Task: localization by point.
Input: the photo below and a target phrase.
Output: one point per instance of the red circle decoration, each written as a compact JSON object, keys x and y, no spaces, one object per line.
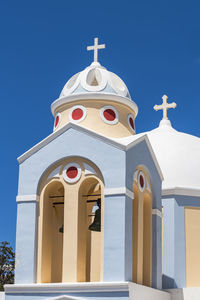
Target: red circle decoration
{"x":77,"y":114}
{"x":131,"y":123}
{"x":57,"y":121}
{"x":109,"y":114}
{"x":72,"y":172}
{"x":141,"y":180}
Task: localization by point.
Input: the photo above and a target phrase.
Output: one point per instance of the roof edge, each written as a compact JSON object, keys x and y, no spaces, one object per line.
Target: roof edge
{"x":55,"y":134}
{"x":108,"y":140}
{"x":182,"y":191}
{"x":97,"y":96}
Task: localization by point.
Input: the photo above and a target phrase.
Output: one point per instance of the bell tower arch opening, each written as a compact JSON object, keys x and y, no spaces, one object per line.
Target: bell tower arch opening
{"x":51,"y":217}
{"x":90,"y":230}
{"x":70,"y":223}
{"x":142,"y":228}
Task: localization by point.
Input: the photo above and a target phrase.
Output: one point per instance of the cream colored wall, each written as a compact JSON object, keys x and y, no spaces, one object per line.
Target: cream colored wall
{"x":192,"y":245}
{"x":93,"y":120}
{"x":50,"y":241}
{"x":76,"y":254}
{"x":142,"y":234}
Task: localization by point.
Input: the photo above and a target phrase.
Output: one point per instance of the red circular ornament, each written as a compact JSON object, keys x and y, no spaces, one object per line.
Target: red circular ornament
{"x":132,"y":123}
{"x":72,"y":172}
{"x":109,"y":114}
{"x":77,"y":114}
{"x":141,"y":179}
{"x":56,"y":121}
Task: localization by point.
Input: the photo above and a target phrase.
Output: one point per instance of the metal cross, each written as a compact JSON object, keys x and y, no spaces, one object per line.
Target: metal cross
{"x":165,"y":106}
{"x":96,"y":47}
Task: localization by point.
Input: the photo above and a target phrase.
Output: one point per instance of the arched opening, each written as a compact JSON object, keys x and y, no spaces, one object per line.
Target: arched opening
{"x":90,"y":230}
{"x":70,"y":223}
{"x":51,"y":220}
{"x":142,"y":229}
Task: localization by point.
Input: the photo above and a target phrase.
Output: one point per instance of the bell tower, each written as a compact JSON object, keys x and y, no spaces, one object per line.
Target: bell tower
{"x":89,"y":197}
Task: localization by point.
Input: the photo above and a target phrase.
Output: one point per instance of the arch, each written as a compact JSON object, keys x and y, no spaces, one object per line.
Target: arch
{"x":50,"y":220}
{"x":64,"y":224}
{"x":90,"y":243}
{"x":142,"y":228}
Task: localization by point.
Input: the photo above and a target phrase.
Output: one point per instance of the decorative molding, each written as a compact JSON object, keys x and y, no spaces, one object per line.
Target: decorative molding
{"x":97,"y":96}
{"x":101,"y":83}
{"x":27,"y":198}
{"x":157,"y":212}
{"x":118,"y":191}
{"x":181,"y":191}
{"x":66,"y":287}
{"x":66,"y":297}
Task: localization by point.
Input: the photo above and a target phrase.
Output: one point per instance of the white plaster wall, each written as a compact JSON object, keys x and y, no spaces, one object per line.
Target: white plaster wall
{"x":2,"y":295}
{"x":185,"y":293}
{"x":141,"y":292}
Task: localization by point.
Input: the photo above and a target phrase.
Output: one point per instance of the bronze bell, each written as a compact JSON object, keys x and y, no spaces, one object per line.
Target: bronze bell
{"x":96,"y":224}
{"x":61,"y":229}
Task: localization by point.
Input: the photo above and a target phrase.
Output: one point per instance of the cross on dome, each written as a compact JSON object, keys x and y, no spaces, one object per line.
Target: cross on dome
{"x":96,"y":47}
{"x":165,"y":106}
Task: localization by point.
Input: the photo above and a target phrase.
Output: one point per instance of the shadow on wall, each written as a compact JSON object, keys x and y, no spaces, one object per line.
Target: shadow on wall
{"x":168,"y":282}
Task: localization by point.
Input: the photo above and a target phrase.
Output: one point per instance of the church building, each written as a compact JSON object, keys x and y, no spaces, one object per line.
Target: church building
{"x":102,"y":212}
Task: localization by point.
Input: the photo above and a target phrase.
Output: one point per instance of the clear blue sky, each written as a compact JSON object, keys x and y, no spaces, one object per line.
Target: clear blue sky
{"x":154,"y":46}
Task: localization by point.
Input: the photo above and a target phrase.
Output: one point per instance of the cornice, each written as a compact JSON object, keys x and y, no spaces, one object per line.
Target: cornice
{"x":97,"y":96}
{"x":67,"y":287}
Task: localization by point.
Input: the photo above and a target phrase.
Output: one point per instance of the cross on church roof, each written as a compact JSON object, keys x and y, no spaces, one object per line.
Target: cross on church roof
{"x":165,"y":106}
{"x":96,"y":47}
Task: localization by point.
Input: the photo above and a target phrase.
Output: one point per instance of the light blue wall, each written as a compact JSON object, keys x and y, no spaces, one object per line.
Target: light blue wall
{"x":156,"y":252}
{"x":26,"y":242}
{"x":173,"y":244}
{"x":117,"y":238}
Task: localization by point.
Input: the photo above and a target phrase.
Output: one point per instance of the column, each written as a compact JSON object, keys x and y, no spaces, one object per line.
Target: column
{"x":118,"y":238}
{"x":25,"y":268}
{"x":70,"y":243}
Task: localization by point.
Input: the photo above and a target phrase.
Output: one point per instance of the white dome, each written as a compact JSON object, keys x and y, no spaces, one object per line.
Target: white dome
{"x":95,"y":78}
{"x":95,"y":82}
{"x":178,"y":156}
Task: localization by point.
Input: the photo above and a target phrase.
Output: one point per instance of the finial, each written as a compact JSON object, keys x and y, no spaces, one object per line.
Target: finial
{"x":165,"y":106}
{"x":96,"y":47}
